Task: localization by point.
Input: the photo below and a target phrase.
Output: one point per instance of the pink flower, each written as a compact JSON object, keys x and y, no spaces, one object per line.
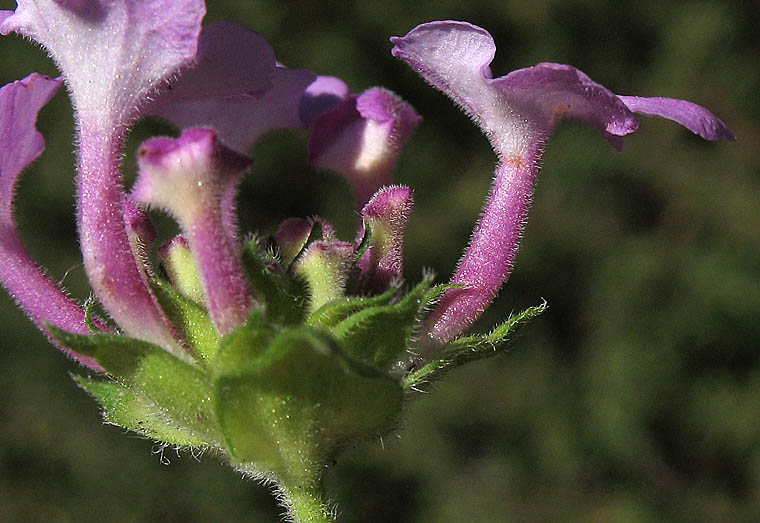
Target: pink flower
{"x":518,"y":113}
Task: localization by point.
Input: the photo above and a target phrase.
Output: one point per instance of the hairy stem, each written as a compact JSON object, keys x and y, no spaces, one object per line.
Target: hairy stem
{"x":307,"y":504}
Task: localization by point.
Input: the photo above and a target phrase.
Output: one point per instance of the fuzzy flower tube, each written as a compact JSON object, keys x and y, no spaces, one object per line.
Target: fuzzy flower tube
{"x":518,"y":113}
{"x":277,"y":350}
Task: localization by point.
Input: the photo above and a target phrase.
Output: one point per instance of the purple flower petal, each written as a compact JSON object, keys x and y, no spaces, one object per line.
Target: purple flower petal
{"x":21,"y":142}
{"x":323,"y":94}
{"x":279,"y":108}
{"x":490,"y":256}
{"x":32,"y":289}
{"x":241,"y":120}
{"x":113,"y":55}
{"x":232,"y":61}
{"x":111,"y":265}
{"x":236,"y":87}
{"x":189,"y":177}
{"x":514,"y":110}
{"x":362,"y":139}
{"x":547,"y":92}
{"x":228,"y":209}
{"x":518,"y":113}
{"x":694,"y":117}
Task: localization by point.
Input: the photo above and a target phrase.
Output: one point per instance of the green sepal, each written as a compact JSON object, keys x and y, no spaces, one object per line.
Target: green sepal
{"x":470,"y":348}
{"x":438,"y":290}
{"x":332,"y":313}
{"x":317,"y":233}
{"x":179,"y":388}
{"x":189,"y":318}
{"x":378,"y":335}
{"x":242,"y":347}
{"x":89,"y":304}
{"x":133,"y":411}
{"x":364,"y":244}
{"x":283,"y":294}
{"x":292,"y":408}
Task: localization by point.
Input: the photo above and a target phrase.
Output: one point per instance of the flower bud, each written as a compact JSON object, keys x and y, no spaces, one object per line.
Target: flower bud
{"x":386,"y":215}
{"x":325,"y":266}
{"x":179,"y":264}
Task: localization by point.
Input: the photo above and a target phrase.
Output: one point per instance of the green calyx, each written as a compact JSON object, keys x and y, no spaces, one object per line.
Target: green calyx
{"x":291,"y":408}
{"x":308,"y":374}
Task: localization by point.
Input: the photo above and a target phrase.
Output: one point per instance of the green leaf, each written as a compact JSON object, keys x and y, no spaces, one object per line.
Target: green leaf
{"x":378,"y":335}
{"x":179,"y":388}
{"x":471,"y":348}
{"x":133,"y":411}
{"x":284,"y":294}
{"x":191,"y":319}
{"x":301,"y":400}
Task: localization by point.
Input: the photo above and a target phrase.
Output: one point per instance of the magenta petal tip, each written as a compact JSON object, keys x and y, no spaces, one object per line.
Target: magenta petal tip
{"x":362,"y":139}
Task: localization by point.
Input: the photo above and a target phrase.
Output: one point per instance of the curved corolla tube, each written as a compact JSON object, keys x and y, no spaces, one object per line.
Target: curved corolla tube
{"x":42,"y":300}
{"x":518,"y":113}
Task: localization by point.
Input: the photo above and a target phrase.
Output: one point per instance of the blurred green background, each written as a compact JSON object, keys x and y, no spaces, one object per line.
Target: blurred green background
{"x":634,"y":398}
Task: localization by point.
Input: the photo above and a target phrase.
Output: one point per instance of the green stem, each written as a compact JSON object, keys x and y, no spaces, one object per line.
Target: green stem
{"x":307,"y":504}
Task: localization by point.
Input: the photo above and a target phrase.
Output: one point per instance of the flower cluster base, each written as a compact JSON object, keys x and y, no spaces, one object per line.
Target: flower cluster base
{"x":281,"y":395}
